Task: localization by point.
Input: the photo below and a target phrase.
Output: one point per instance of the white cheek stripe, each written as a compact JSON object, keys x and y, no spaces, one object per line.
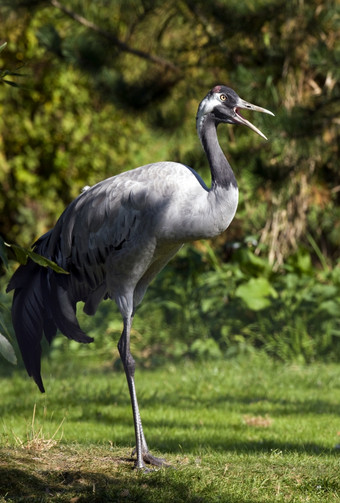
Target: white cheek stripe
{"x":209,"y":103}
{"x":206,"y":106}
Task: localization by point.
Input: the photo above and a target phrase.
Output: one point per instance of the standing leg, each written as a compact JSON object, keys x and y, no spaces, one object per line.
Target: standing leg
{"x":129,"y":367}
{"x":142,"y":451}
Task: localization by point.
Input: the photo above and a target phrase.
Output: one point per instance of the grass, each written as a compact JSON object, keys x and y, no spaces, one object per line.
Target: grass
{"x":246,"y":430}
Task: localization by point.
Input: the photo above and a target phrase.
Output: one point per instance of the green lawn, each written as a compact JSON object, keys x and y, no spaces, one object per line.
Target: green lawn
{"x":244,"y":430}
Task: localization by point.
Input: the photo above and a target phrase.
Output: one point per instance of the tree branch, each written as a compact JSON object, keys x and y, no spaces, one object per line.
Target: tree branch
{"x":112,"y":38}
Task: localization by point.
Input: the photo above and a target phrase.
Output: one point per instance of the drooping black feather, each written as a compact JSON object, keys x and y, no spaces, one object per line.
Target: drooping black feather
{"x":41,"y":305}
{"x":28,"y":315}
{"x":63,"y":309}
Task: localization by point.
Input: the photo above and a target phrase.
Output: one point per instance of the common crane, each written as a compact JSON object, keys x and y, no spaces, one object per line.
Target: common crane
{"x":117,"y":235}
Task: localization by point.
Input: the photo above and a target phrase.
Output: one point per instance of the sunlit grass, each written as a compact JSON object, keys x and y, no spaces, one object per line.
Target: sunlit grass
{"x":244,"y":430}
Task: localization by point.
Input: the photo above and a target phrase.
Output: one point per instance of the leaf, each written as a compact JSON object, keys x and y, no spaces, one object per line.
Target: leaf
{"x":255,"y":293}
{"x":10,"y":83}
{"x":7,"y":351}
{"x":3,"y":326}
{"x":207,"y":304}
{"x":304,"y":262}
{"x":324,"y":291}
{"x":45,"y":262}
{"x":205,"y":348}
{"x":3,"y":255}
{"x":170,"y":305}
{"x":331,"y":307}
{"x":2,"y":46}
{"x":22,"y":254}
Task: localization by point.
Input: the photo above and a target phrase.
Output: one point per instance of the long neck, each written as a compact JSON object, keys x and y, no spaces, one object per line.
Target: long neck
{"x":221,"y":173}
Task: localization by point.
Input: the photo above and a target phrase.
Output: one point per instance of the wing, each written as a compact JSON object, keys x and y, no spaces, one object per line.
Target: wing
{"x":107,"y":220}
{"x":104,"y":217}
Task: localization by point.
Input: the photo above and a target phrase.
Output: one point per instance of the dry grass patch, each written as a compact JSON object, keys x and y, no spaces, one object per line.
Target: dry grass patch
{"x":58,"y":473}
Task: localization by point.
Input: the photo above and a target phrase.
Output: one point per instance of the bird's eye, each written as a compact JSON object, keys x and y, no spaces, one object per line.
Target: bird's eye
{"x":223,"y":97}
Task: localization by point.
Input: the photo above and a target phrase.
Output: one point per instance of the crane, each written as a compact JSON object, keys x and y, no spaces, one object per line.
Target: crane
{"x":117,"y":235}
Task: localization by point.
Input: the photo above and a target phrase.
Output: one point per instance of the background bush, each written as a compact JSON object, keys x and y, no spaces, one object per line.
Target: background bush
{"x":107,"y":86}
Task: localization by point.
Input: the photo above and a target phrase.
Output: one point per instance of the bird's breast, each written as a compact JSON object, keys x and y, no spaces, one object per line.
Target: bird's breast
{"x":200,"y":215}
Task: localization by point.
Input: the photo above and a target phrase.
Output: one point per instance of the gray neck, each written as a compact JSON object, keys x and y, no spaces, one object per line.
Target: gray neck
{"x":221,"y":173}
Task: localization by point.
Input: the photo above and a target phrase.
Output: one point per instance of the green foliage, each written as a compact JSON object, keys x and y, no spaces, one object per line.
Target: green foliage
{"x":293,"y":314}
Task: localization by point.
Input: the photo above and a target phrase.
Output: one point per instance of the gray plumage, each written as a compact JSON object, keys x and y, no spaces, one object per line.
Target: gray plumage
{"x":117,"y":235}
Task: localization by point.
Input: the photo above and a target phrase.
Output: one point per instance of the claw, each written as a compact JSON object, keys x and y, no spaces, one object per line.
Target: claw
{"x":153,"y":460}
{"x":150,"y":460}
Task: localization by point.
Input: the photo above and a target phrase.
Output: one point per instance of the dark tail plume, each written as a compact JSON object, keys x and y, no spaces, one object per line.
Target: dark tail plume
{"x":41,"y":304}
{"x":29,"y":316}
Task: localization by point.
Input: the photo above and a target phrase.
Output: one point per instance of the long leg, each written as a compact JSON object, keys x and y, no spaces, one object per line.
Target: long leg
{"x":142,"y":451}
{"x":146,"y":454}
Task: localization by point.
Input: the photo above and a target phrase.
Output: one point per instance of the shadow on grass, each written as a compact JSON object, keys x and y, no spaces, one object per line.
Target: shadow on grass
{"x":116,"y":393}
{"x":243,"y":447}
{"x":16,"y":485}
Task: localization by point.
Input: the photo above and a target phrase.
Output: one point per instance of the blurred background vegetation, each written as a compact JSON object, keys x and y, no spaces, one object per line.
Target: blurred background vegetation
{"x":90,"y":89}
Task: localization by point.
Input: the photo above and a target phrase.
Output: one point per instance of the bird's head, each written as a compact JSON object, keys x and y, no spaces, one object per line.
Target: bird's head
{"x":223,"y":105}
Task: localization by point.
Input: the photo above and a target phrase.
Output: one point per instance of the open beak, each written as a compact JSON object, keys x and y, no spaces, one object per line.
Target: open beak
{"x":248,"y":106}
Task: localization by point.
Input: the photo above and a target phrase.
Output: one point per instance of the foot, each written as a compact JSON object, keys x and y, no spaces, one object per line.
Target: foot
{"x":150,"y":460}
{"x":153,"y":460}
